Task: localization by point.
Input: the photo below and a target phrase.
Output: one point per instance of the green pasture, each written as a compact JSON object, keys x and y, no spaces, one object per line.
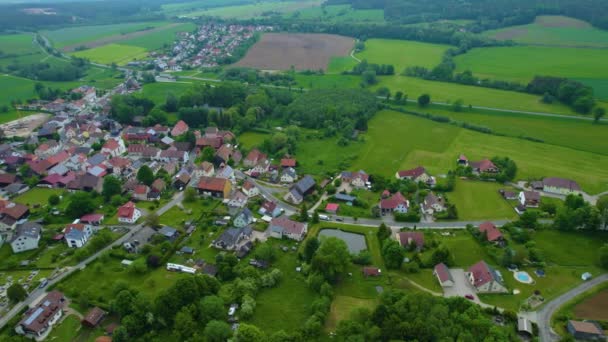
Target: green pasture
{"x":249,"y":140}
{"x":600,"y":87}
{"x":156,"y":40}
{"x":522,"y":63}
{"x":81,"y":34}
{"x":113,"y":53}
{"x":13,"y":88}
{"x":339,"y":13}
{"x":14,"y":114}
{"x":555,"y":31}
{"x":323,"y":156}
{"x":402,"y":53}
{"x":480,"y":201}
{"x":255,"y":10}
{"x":190,"y":6}
{"x":17,"y":44}
{"x":339,"y":64}
{"x":159,"y":91}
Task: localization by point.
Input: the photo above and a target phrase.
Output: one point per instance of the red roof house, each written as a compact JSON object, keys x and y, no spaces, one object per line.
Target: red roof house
{"x":332,"y":208}
{"x":180,"y":128}
{"x":288,"y":162}
{"x":409,"y":238}
{"x":492,"y":233}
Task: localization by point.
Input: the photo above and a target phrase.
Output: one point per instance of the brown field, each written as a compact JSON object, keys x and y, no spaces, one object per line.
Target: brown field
{"x":511,"y":33}
{"x":595,"y":307}
{"x":116,"y":38}
{"x":25,"y":126}
{"x":281,"y":51}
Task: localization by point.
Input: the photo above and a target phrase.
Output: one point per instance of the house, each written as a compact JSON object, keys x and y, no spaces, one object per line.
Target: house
{"x":214,"y":187}
{"x":93,"y":317}
{"x":288,"y":162}
{"x":418,"y":174}
{"x":284,"y":227}
{"x":141,"y":192}
{"x":38,"y":321}
{"x":394,"y":204}
{"x":26,"y":237}
{"x":250,"y":189}
{"x":508,"y":195}
{"x":433,"y":204}
{"x":180,"y":128}
{"x":485,"y":279}
{"x":357,"y":179}
{"x":289,"y":175}
{"x":530,"y":199}
{"x":181,"y":180}
{"x":11,"y":213}
{"x":7,"y":179}
{"x":332,"y":208}
{"x":92,"y":219}
{"x":524,"y":326}
{"x":302,"y":188}
{"x":244,"y":218}
{"x":560,"y":186}
{"x":371,"y":271}
{"x":158,"y":185}
{"x":407,"y":239}
{"x":168,"y":232}
{"x":238,"y":200}
{"x":462,"y":160}
{"x":232,"y":237}
{"x":254,"y":158}
{"x":114,"y":147}
{"x":442,"y":272}
{"x":86,"y":182}
{"x":270,"y":208}
{"x":491,"y":232}
{"x":484,"y":166}
{"x":344,"y":197}
{"x":77,"y":235}
{"x":585,"y":330}
{"x":207,"y":169}
{"x":128,"y":213}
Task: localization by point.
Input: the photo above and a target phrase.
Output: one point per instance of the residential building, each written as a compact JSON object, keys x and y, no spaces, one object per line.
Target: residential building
{"x":357,"y":179}
{"x":92,"y":219}
{"x":238,"y":200}
{"x":254,"y":158}
{"x":94,"y":317}
{"x":243,"y":218}
{"x":288,"y":162}
{"x":169,"y":233}
{"x":442,"y":272}
{"x":560,"y":186}
{"x":250,"y":189}
{"x":407,"y":239}
{"x":270,"y":208}
{"x":485,"y":279}
{"x":207,"y":169}
{"x":418,"y":174}
{"x":214,"y":187}
{"x":77,"y":235}
{"x":491,"y":232}
{"x":433,"y":204}
{"x":394,"y":204}
{"x":26,"y":237}
{"x":530,"y":199}
{"x":38,"y":321}
{"x":289,"y":175}
{"x":586,"y":330}
{"x":233,"y":237}
{"x":114,"y":147}
{"x":284,"y":227}
{"x":180,"y":128}
{"x":302,"y":188}
{"x":484,"y":166}
{"x":462,"y":160}
{"x":128,"y":213}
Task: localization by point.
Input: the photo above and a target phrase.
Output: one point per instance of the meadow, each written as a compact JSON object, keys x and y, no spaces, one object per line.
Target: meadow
{"x":477,"y":201}
{"x":600,"y":87}
{"x":81,"y":34}
{"x":554,"y":31}
{"x":339,"y":13}
{"x":402,"y":53}
{"x":157,"y":39}
{"x":113,"y":53}
{"x":499,"y":62}
{"x":12,"y":88}
{"x":249,"y":140}
{"x":159,"y":91}
{"x":254,"y":10}
{"x":17,"y":44}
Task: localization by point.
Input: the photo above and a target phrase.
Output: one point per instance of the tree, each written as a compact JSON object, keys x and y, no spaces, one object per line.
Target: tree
{"x":152,"y":220}
{"x":528,"y":219}
{"x":111,"y":186}
{"x":424,"y":100}
{"x":217,"y":331}
{"x":602,"y":207}
{"x":331,"y":259}
{"x":315,"y":217}
{"x":212,"y":308}
{"x":171,"y":103}
{"x":145,"y":175}
{"x":303,"y":213}
{"x":207,"y":154}
{"x":598,"y":114}
{"x":310,"y":247}
{"x":249,"y":333}
{"x":604,"y":256}
{"x":398,"y":96}
{"x":190,"y":195}
{"x":369,"y":77}
{"x":53,"y":199}
{"x":16,"y":293}
{"x":81,"y":203}
{"x":185,"y":326}
{"x":383,"y":233}
{"x":393,"y":254}
{"x":265,"y":252}
{"x":153,"y":261}
{"x":441,"y":255}
{"x":457,"y":105}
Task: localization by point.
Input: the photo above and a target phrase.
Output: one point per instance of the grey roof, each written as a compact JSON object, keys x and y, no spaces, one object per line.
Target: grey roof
{"x":14,"y":188}
{"x":231,"y":235}
{"x":524,"y":324}
{"x":167,"y":231}
{"x":305,"y":184}
{"x":344,"y":197}
{"x":27,"y":229}
{"x":96,"y":159}
{"x":290,"y":171}
{"x":248,"y":215}
{"x":74,"y":234}
{"x":82,"y":150}
{"x":59,"y":169}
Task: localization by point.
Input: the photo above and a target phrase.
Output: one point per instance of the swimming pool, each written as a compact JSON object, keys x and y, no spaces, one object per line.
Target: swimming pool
{"x":523,"y":277}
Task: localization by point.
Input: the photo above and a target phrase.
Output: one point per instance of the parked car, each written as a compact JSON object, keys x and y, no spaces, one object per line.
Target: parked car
{"x":469,"y":297}
{"x":338,"y":219}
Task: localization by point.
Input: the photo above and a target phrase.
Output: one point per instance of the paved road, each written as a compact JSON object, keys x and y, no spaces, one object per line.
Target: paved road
{"x":36,"y":294}
{"x":544,"y":315}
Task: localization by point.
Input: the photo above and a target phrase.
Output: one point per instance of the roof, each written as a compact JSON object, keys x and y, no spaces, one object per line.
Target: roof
{"x":483,"y":273}
{"x":344,"y":197}
{"x":413,"y":173}
{"x":14,"y":210}
{"x":37,"y":318}
{"x":532,"y":195}
{"x":288,"y":162}
{"x":561,"y":183}
{"x":94,"y":316}
{"x":305,"y":184}
{"x":111,"y":144}
{"x":212,"y":184}
{"x":141,"y":189}
{"x":393,"y":201}
{"x":371,"y":271}
{"x":405,"y":238}
{"x":158,"y":184}
{"x":74,"y":231}
{"x":208,"y":167}
{"x":463,"y":157}
{"x":586,"y":327}
{"x":88,"y":218}
{"x":231,"y":235}
{"x":255,"y":155}
{"x":180,"y":128}
{"x":483,"y":165}
{"x":491,"y":231}
{"x":332,"y":207}
{"x":288,"y":226}
{"x":443,"y":273}
{"x":431,"y":199}
{"x":127,"y":210}
{"x":28,"y":229}
{"x":524,"y":325}
{"x":167,"y":231}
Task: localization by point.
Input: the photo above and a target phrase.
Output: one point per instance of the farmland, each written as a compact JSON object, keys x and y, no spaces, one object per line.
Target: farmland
{"x":480,"y":201}
{"x":339,"y":13}
{"x":155,"y":39}
{"x":254,"y":10}
{"x":17,"y":44}
{"x":496,"y":62}
{"x":595,"y":307}
{"x":277,"y":51}
{"x":21,"y":88}
{"x":554,"y":31}
{"x":113,"y":53}
{"x":402,"y":53}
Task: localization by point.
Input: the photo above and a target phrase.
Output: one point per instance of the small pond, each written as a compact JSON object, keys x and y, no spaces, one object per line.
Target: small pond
{"x":355,"y":242}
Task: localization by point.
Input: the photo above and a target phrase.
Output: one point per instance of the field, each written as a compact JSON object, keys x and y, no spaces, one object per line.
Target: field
{"x":600,"y":87}
{"x":113,"y":53}
{"x":402,"y":53}
{"x":277,"y":51}
{"x":12,"y":88}
{"x":478,"y":201}
{"x":249,"y":140}
{"x":595,"y":307}
{"x":254,"y":10}
{"x":339,"y":64}
{"x":159,"y":91}
{"x":155,"y":39}
{"x":16,"y":44}
{"x":554,"y":31}
{"x":435,"y":146}
{"x":522,"y":63}
{"x":339,"y":13}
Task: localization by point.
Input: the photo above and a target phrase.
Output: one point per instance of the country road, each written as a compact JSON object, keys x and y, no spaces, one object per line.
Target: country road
{"x":546,"y":334}
{"x":37,"y":293}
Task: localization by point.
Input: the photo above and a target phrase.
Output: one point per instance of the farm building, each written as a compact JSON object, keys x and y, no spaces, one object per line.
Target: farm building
{"x":587,"y":330}
{"x":94,"y":317}
{"x":442,"y":272}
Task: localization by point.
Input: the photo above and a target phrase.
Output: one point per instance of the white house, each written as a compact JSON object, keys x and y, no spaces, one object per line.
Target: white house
{"x":485,"y":279}
{"x":561,"y":186}
{"x":289,"y":175}
{"x":26,"y":237}
{"x":77,"y":235}
{"x":128,"y":213}
{"x":114,"y":147}
{"x":38,"y":321}
{"x":284,"y":227}
{"x":433,"y":204}
{"x":250,"y":189}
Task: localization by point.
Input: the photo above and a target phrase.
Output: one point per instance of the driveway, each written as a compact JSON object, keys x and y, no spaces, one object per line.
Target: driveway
{"x":461,"y":286}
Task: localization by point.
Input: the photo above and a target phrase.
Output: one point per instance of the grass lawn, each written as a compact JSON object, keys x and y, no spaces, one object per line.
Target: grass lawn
{"x":82,"y":34}
{"x":339,"y":64}
{"x":554,"y":31}
{"x":159,"y":91}
{"x":424,"y":278}
{"x":498,"y":62}
{"x":586,"y":251}
{"x":249,"y":140}
{"x":480,"y":201}
{"x":343,"y":306}
{"x":113,"y":53}
{"x":67,"y":330}
{"x":402,"y":53}
{"x":156,"y":40}
{"x":38,"y":196}
{"x":323,"y":156}
{"x":465,"y":250}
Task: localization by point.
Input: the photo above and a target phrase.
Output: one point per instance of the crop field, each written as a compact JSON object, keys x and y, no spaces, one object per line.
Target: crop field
{"x":339,"y":13}
{"x":113,"y":53}
{"x":522,"y":63}
{"x":155,"y":39}
{"x":17,"y":44}
{"x":281,"y":51}
{"x":402,"y":53}
{"x":255,"y":10}
{"x":435,"y":146}
{"x":79,"y":35}
{"x":13,"y":88}
{"x":595,"y":307}
{"x":555,"y":31}
{"x":480,"y":201}
{"x":339,"y":64}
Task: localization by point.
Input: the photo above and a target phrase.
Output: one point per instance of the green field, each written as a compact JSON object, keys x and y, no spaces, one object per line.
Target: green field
{"x":22,"y":88}
{"x":402,"y":53}
{"x":600,"y":87}
{"x":17,"y":44}
{"x":156,"y":40}
{"x":522,"y":63}
{"x":159,"y":91}
{"x":249,"y":140}
{"x":113,"y":53}
{"x":82,"y":34}
{"x":339,"y":64}
{"x":556,"y":31}
{"x":480,"y":201}
{"x":254,"y":10}
{"x":435,"y":146}
{"x":339,"y":13}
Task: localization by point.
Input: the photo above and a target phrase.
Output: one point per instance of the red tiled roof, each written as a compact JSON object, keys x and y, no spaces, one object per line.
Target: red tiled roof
{"x":289,"y":226}
{"x":126,"y":210}
{"x":491,"y":231}
{"x":561,"y":183}
{"x":111,"y":144}
{"x":288,"y":162}
{"x":413,"y":173}
{"x":255,"y":156}
{"x":484,"y":165}
{"x":141,"y":190}
{"x":405,"y":238}
{"x":7,"y":178}
{"x":332,"y":207}
{"x":212,"y":184}
{"x":393,"y":202}
{"x":180,"y":128}
{"x":14,"y":210}
{"x":482,"y":273}
{"x":371,"y":271}
{"x":58,"y":158}
{"x":88,"y":218}
{"x":443,"y":273}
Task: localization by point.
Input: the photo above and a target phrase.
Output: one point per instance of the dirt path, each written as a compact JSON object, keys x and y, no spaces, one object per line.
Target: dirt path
{"x":116,"y":38}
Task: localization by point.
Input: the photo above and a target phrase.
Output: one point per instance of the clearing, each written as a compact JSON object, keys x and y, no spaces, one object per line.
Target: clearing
{"x":281,"y":51}
{"x":113,"y":53}
{"x":402,"y":53}
{"x":595,"y":307}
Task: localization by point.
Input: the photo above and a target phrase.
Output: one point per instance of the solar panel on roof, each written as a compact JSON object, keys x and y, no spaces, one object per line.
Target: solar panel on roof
{"x":34,"y":316}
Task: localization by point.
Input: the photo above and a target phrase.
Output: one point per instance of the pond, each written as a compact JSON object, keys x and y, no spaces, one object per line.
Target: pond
{"x":355,"y":242}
